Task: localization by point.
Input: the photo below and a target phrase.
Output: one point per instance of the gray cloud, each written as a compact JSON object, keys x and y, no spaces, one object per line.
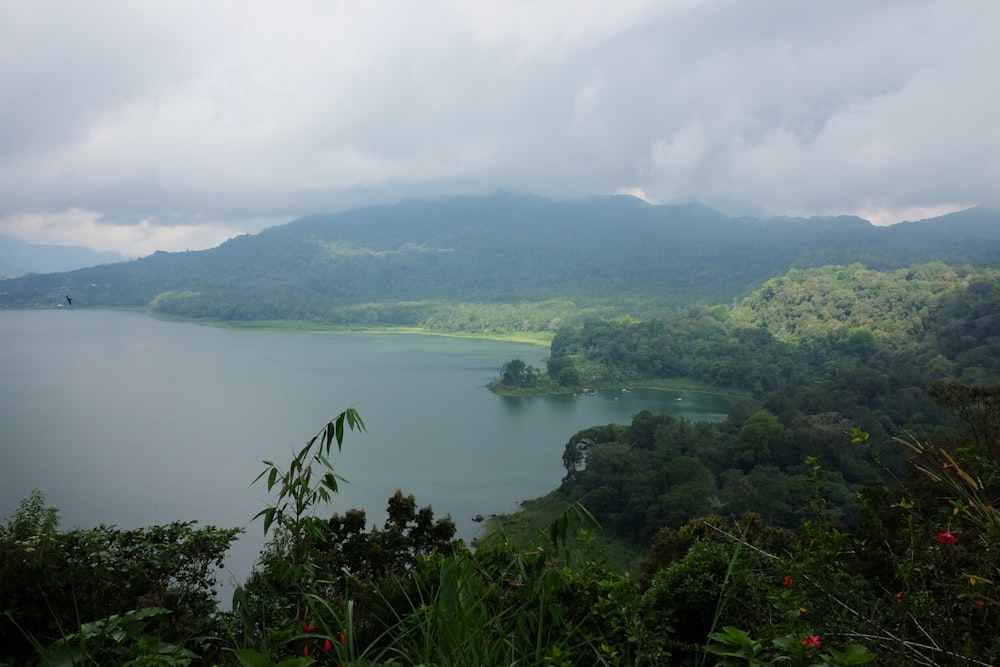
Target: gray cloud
{"x":159,"y":115}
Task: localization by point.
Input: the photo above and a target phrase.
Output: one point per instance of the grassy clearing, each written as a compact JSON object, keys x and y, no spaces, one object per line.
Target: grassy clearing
{"x":524,"y":526}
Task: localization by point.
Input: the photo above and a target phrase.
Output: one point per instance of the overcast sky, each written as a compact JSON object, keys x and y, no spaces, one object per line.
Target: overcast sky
{"x":142,"y":125}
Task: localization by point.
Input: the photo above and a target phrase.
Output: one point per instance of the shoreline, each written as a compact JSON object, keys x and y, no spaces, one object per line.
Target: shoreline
{"x":538,"y":339}
{"x":652,"y":384}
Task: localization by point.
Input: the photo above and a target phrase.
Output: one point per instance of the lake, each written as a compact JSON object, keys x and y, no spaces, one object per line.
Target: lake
{"x":123,"y":419}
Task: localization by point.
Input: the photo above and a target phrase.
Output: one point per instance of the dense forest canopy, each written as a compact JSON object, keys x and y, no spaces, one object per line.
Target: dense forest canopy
{"x":817,"y":355}
{"x":845,"y":323}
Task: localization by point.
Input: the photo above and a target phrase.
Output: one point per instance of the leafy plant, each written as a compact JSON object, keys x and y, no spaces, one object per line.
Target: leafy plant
{"x":51,"y":581}
{"x":119,"y":640}
{"x":299,"y":492}
{"x":309,"y":480}
{"x":734,"y":647}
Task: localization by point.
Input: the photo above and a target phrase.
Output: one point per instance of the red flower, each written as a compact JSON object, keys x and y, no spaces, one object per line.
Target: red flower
{"x":979,"y":603}
{"x":327,"y":645}
{"x":899,"y":595}
{"x":307,"y":627}
{"x":811,"y":640}
{"x":341,"y":638}
{"x":305,"y":651}
{"x":947,"y":538}
{"x":787,"y":582}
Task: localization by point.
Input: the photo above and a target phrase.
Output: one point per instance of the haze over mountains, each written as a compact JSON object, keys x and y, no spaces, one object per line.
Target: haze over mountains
{"x":18,"y":258}
{"x":407,"y":264}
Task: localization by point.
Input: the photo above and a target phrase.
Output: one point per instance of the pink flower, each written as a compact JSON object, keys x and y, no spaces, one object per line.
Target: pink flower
{"x":979,"y":603}
{"x":947,"y":538}
{"x":899,"y":595}
{"x":787,"y":582}
{"x":811,"y":640}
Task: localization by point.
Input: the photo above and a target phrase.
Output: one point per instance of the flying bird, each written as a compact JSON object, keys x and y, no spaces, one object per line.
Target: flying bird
{"x":69,"y":300}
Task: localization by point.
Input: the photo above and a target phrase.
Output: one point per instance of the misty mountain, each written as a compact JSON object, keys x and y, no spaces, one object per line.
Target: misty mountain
{"x":18,"y":258}
{"x":446,"y":263}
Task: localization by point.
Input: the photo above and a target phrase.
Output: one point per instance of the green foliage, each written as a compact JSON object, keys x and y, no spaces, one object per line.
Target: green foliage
{"x":506,"y":605}
{"x":502,"y":604}
{"x":407,"y":535}
{"x":979,"y":408}
{"x":822,"y":351}
{"x":916,"y":578}
{"x":251,"y":658}
{"x":53,"y":583}
{"x":117,"y":640}
{"x":534,"y":517}
{"x":579,"y":445}
{"x":761,"y":434}
{"x":670,"y":545}
{"x":515,"y":373}
{"x":350,"y":562}
{"x":734,"y":647}
{"x":309,"y":481}
{"x":856,"y":333}
{"x":713,"y":582}
{"x":299,"y":493}
{"x":664,"y":471}
{"x":693,"y":587}
{"x":914,"y":581}
{"x":33,"y":524}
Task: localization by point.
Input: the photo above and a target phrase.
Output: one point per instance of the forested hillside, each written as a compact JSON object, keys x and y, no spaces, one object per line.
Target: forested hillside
{"x":816,"y":354}
{"x":500,"y":263}
{"x":851,"y":325}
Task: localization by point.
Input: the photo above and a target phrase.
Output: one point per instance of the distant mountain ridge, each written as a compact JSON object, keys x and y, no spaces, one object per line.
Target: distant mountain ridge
{"x":18,"y":258}
{"x":425,"y":262}
{"x":971,"y":223}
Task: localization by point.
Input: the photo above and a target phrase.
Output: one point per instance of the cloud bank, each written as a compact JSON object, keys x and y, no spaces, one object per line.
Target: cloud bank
{"x":169,"y":125}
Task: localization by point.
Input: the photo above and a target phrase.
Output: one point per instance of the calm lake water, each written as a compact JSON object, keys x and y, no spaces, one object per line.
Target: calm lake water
{"x":122,"y":419}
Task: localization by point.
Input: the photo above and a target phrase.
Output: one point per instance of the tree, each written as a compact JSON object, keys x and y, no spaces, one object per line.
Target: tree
{"x":978,"y":406}
{"x":569,"y":376}
{"x":407,"y":534}
{"x":762,"y":434}
{"x":575,"y":453}
{"x":515,"y":373}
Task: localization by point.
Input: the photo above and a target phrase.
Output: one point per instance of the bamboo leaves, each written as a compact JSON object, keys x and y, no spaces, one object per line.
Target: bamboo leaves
{"x":299,"y":493}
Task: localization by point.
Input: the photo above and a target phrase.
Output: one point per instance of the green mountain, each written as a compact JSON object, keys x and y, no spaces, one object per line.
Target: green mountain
{"x":500,"y":262}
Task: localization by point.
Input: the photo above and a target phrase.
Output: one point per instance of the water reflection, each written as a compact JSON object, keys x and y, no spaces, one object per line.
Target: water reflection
{"x":616,"y":406}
